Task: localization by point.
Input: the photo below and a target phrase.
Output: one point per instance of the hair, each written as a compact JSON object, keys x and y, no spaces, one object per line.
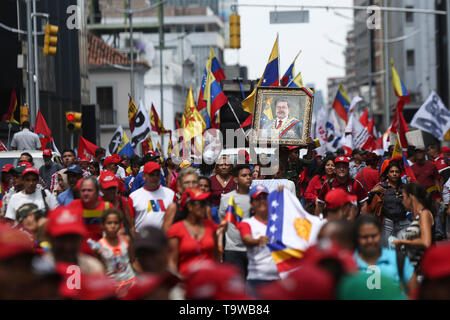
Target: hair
{"x":99,"y":151}
{"x":433,"y":146}
{"x":28,"y":155}
{"x":340,"y":151}
{"x":384,"y":174}
{"x":148,"y":158}
{"x":240,"y":167}
{"x":94,"y":180}
{"x":411,"y":151}
{"x":321,"y":170}
{"x":134,"y":161}
{"x":421,"y":195}
{"x":372,"y":159}
{"x":110,"y":211}
{"x":344,"y":234}
{"x":207,"y":179}
{"x":96,"y":165}
{"x":26,"y":124}
{"x":68,"y":150}
{"x":185,"y":172}
{"x":363,"y":220}
{"x":281,"y":100}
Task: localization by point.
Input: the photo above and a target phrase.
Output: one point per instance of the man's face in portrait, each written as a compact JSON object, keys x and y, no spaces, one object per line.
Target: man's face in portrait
{"x":282,"y":109}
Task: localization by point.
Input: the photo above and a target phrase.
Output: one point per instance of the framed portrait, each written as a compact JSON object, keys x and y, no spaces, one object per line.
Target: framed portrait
{"x":282,"y":116}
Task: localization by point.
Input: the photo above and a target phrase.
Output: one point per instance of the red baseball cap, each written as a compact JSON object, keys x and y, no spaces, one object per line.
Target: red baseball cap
{"x":114,"y":158}
{"x":84,"y":160}
{"x":436,"y":262}
{"x":151,"y":166}
{"x":108,"y":180}
{"x":13,"y":242}
{"x":7,"y":167}
{"x":62,"y":221}
{"x":147,"y":283}
{"x":341,"y":160}
{"x":308,"y":282}
{"x":193,"y":194}
{"x":207,"y":280}
{"x":445,"y":150}
{"x":47,"y":152}
{"x":30,"y":170}
{"x":337,"y":198}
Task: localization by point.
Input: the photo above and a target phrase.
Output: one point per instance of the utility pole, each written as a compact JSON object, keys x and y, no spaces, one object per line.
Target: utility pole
{"x":386,"y":68}
{"x":34,"y":111}
{"x":30,"y":65}
{"x":161,"y":50}
{"x":130,"y":20}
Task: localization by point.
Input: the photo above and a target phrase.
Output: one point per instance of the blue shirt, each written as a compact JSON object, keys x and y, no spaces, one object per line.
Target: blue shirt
{"x":387,"y":263}
{"x":139,"y":181}
{"x":65,"y":197}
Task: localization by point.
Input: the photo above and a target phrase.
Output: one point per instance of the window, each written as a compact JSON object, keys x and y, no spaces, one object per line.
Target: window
{"x":410,"y":58}
{"x":105,"y":101}
{"x":409,"y":15}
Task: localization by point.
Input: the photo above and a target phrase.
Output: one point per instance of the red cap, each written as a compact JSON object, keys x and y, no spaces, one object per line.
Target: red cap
{"x":147,"y":283}
{"x":445,"y":150}
{"x":13,"y":242}
{"x":306,"y":283}
{"x":293,"y":148}
{"x":337,"y":198}
{"x":30,"y":170}
{"x":62,"y":221}
{"x":47,"y":152}
{"x":97,"y":287}
{"x":7,"y":167}
{"x":84,"y":160}
{"x":151,"y":166}
{"x":341,"y":160}
{"x":207,"y":280}
{"x":114,"y":158}
{"x":108,"y":180}
{"x":330,"y":250}
{"x":26,"y":164}
{"x":436,"y":262}
{"x":193,"y":194}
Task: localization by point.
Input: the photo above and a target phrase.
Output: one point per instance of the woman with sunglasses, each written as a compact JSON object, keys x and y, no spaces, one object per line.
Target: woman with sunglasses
{"x":193,"y":238}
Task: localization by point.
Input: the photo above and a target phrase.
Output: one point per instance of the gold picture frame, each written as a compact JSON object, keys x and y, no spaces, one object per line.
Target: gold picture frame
{"x":291,"y":119}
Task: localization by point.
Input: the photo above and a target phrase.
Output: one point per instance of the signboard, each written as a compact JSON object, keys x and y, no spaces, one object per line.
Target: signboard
{"x":415,"y":139}
{"x":281,"y":17}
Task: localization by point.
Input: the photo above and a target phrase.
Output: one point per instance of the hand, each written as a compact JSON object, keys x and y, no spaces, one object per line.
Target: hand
{"x":378,"y":189}
{"x":263,"y":240}
{"x":280,"y":188}
{"x":309,"y":140}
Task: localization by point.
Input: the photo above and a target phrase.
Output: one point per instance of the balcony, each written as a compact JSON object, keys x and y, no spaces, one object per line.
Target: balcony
{"x":108,"y":116}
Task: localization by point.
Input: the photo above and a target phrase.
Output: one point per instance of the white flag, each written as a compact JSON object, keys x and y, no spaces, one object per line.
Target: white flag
{"x":433,"y":117}
{"x":358,"y":132}
{"x":321,"y":131}
{"x":142,"y":127}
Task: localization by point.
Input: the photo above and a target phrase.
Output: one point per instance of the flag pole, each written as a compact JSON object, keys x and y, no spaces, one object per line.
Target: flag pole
{"x":235,"y":116}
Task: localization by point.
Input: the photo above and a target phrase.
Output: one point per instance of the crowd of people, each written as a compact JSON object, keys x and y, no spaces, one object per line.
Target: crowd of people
{"x":151,"y":228}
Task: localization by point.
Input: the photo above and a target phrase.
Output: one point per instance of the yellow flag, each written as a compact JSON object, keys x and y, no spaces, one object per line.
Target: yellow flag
{"x":397,"y":148}
{"x":192,"y":122}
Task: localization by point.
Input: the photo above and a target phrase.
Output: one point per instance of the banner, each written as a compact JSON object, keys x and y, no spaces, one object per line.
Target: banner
{"x":120,"y":144}
{"x":141,"y":126}
{"x":86,"y":149}
{"x":321,"y":131}
{"x":433,"y":117}
{"x":42,"y":130}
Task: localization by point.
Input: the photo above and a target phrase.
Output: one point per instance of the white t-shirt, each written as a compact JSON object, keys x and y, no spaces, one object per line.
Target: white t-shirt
{"x":446,"y":192}
{"x":26,"y":140}
{"x":261,"y":265}
{"x":150,"y":206}
{"x":121,"y":174}
{"x":21,"y":198}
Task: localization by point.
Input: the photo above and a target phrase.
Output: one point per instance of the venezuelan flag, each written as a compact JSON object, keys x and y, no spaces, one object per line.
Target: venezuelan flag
{"x":216,"y":68}
{"x":234,"y":214}
{"x":289,"y":75}
{"x":125,"y":147}
{"x":342,"y":103}
{"x":270,"y":78}
{"x":213,"y":64}
{"x":399,"y":87}
{"x":215,"y":98}
{"x":297,"y":82}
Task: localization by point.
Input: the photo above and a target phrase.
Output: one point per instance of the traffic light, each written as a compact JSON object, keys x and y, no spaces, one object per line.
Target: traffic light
{"x":235,"y":31}
{"x":50,"y":39}
{"x":73,"y":121}
{"x":24,"y":113}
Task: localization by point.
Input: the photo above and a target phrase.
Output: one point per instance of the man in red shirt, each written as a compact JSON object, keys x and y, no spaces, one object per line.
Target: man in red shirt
{"x":90,"y":206}
{"x":437,"y":157}
{"x":426,"y":173}
{"x":369,"y":176}
{"x":343,"y":181}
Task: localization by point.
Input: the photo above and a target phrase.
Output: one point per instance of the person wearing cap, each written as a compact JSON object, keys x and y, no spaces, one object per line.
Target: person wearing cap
{"x":369,"y":176}
{"x":17,"y":186}
{"x":437,"y":157}
{"x":427,"y":174}
{"x":66,"y":230}
{"x":90,"y":207}
{"x":48,"y":169}
{"x":357,"y":163}
{"x":7,"y":177}
{"x":150,"y":202}
{"x":111,"y":163}
{"x":436,"y":273}
{"x":340,"y":205}
{"x":84,"y":164}
{"x":44,"y":199}
{"x":28,"y":216}
{"x":25,"y":139}
{"x":112,"y":188}
{"x":261,"y":266}
{"x":235,"y":252}
{"x":135,"y":167}
{"x":68,"y":158}
{"x":139,"y":181}
{"x":194,"y":238}
{"x":370,"y":252}
{"x":345,"y":182}
{"x":151,"y":250}
{"x":74,"y":174}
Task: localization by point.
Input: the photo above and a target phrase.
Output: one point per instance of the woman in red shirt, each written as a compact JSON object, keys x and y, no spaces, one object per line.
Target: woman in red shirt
{"x":326,"y":172}
{"x":193,"y":238}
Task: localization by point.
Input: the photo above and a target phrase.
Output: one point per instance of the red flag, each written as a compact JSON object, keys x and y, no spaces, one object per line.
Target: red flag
{"x":399,"y":123}
{"x":2,"y":146}
{"x":42,"y":130}
{"x":9,"y":116}
{"x":247,"y":122}
{"x":364,"y":120}
{"x":86,"y":149}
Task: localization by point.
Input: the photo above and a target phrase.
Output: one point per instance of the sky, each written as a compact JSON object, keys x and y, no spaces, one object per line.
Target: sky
{"x":258,"y":37}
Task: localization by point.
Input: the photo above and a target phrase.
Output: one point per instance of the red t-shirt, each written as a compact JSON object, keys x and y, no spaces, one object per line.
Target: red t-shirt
{"x":217,"y":190}
{"x":190,"y":249}
{"x":313,"y":188}
{"x":91,"y":218}
{"x":353,"y":187}
{"x":440,"y":162}
{"x":426,"y":174}
{"x":371,"y":177}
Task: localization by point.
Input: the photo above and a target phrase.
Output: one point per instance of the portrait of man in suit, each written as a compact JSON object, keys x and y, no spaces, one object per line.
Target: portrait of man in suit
{"x":284,"y":125}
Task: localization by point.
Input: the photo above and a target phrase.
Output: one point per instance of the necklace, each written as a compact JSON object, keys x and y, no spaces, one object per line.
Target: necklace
{"x":223,"y":182}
